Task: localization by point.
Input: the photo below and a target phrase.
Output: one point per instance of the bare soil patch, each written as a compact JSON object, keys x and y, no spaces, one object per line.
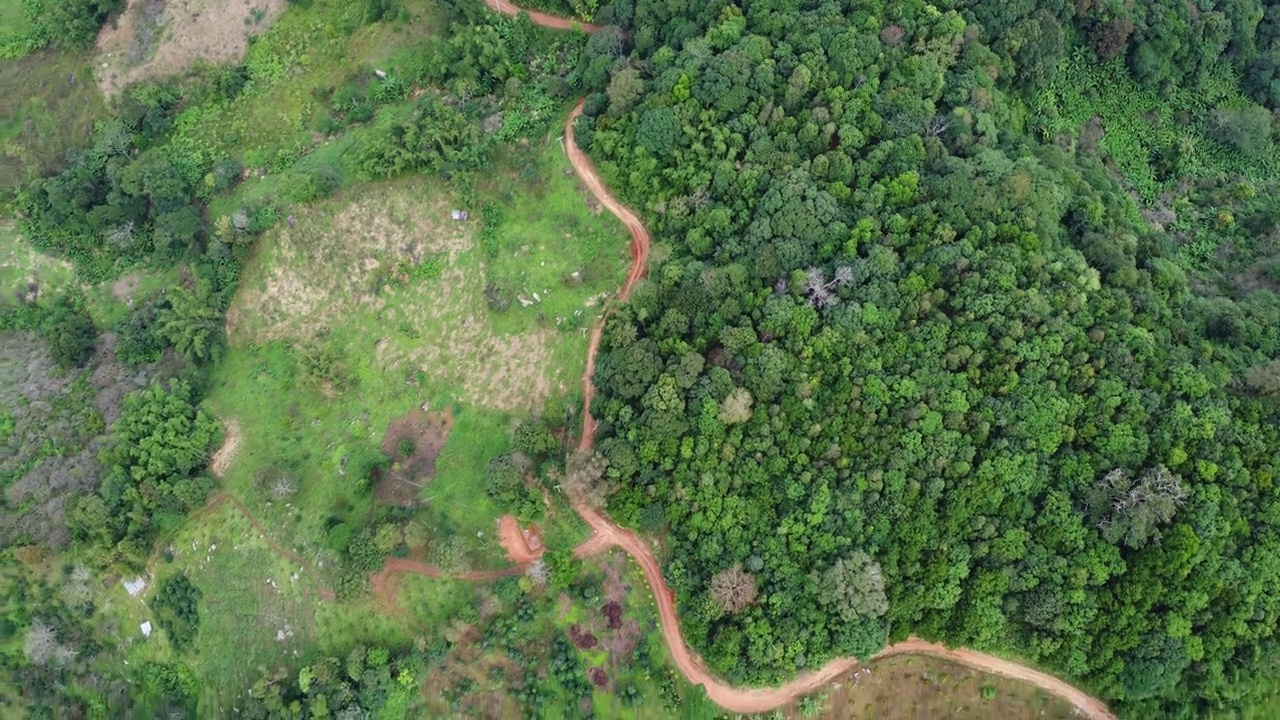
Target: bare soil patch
{"x":154,"y":39}
{"x":124,"y":288}
{"x":522,"y":546}
{"x":413,"y":441}
{"x":910,"y":687}
{"x":222,"y":459}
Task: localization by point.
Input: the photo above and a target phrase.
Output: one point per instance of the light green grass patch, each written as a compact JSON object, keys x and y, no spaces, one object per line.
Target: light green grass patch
{"x":308,"y":51}
{"x":13,"y":20}
{"x":433,"y":601}
{"x":288,"y":425}
{"x":455,"y":498}
{"x":21,"y":263}
{"x":44,"y":113}
{"x":109,"y":301}
{"x":257,"y":608}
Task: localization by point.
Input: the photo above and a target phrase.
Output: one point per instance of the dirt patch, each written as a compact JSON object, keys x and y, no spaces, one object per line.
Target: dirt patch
{"x":223,"y":458}
{"x":909,"y":687}
{"x":522,"y":546}
{"x":413,"y":442}
{"x":154,"y":39}
{"x":124,"y":288}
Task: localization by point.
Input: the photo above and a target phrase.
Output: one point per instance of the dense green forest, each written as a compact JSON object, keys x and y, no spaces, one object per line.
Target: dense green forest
{"x":918,"y":357}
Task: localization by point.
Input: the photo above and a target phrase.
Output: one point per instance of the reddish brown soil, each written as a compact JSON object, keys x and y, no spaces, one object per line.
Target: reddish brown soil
{"x":522,"y":546}
{"x":541,"y":18}
{"x":401,"y":483}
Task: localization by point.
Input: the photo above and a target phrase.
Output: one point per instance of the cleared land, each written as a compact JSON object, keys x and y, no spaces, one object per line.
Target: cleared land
{"x":21,"y":265}
{"x":389,"y":278}
{"x":153,"y":39}
{"x":915,"y":688}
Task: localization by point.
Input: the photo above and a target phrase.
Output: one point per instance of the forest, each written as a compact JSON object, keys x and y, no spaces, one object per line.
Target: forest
{"x":908,"y":366}
{"x":961,"y":322}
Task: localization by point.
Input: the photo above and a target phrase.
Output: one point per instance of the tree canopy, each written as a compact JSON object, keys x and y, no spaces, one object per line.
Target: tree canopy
{"x":917,"y":370}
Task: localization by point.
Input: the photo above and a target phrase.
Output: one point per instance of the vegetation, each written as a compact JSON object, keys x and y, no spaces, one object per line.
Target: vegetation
{"x":177,"y":610}
{"x":923,"y":372}
{"x":961,"y":321}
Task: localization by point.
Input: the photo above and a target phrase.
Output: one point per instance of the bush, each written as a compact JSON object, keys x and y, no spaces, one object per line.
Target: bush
{"x":363,"y":553}
{"x":535,"y":438}
{"x":70,"y":333}
{"x":338,"y":538}
{"x":75,"y":23}
{"x":1247,"y":128}
{"x":136,"y":339}
{"x":177,"y":610}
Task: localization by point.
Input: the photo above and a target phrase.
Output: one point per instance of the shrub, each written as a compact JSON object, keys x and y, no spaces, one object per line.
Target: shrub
{"x":177,"y":610}
{"x":69,"y":332}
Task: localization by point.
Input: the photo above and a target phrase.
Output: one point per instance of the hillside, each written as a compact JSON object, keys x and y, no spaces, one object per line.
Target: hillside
{"x":333,"y":387}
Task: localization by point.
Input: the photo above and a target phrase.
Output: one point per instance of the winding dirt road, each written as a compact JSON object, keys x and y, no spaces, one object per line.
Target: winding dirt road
{"x":606,"y":534}
{"x":748,"y":700}
{"x":639,"y":261}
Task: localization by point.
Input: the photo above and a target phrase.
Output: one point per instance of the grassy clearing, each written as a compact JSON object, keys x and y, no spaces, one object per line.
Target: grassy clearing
{"x":257,"y":609}
{"x":433,"y":601}
{"x":373,"y":303}
{"x":21,"y":263}
{"x":12,"y":20}
{"x":306,"y":53}
{"x":909,"y":687}
{"x":48,"y":107}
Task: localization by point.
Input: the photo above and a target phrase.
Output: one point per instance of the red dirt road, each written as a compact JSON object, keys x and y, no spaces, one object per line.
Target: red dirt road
{"x":540,"y":18}
{"x":606,"y":534}
{"x":639,"y":262}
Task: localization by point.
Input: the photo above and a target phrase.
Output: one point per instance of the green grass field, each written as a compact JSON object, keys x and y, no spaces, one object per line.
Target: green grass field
{"x":313,"y":48}
{"x":59,"y":102}
{"x":20,"y":263}
{"x":12,"y":19}
{"x":335,"y":333}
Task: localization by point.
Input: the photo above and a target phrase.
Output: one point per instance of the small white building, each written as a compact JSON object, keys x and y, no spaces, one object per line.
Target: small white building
{"x":146,"y":628}
{"x":134,"y":586}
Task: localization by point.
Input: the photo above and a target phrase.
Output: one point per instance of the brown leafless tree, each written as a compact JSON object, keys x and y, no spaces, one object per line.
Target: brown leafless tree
{"x":733,"y":589}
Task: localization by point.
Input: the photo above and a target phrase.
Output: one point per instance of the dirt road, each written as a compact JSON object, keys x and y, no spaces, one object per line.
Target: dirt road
{"x":606,"y":534}
{"x":541,"y":18}
{"x":639,"y":262}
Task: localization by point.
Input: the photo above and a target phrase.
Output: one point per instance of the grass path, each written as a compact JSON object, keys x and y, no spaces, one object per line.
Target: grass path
{"x":222,"y":498}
